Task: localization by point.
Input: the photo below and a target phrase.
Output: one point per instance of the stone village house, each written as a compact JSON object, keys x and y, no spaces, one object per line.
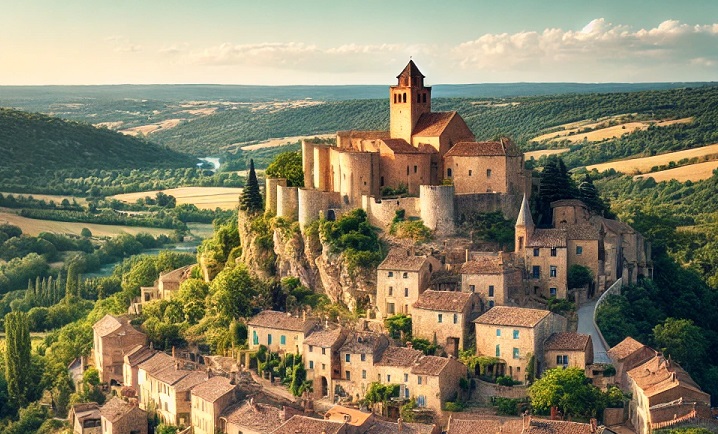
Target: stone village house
{"x":322,"y":359}
{"x":113,"y":337}
{"x":568,"y":350}
{"x":209,"y":399}
{"x":400,"y":279}
{"x":278,"y":331}
{"x":444,"y":318}
{"x":493,"y":277}
{"x":120,"y":417}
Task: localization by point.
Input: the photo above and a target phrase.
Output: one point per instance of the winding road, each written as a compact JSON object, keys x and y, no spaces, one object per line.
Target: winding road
{"x":587,"y":326}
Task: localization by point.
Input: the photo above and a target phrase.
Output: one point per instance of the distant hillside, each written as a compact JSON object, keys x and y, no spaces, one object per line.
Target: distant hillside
{"x":32,"y":142}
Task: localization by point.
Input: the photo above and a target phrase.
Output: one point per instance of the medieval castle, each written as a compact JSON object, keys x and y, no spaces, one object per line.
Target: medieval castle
{"x":432,"y":156}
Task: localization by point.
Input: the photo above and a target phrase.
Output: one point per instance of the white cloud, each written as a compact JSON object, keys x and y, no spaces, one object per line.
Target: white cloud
{"x":122,"y":44}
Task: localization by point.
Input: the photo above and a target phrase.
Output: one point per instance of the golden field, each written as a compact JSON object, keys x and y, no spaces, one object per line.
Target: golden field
{"x":644,"y":165}
{"x":692,"y":172}
{"x":274,"y":143}
{"x":34,"y":227}
{"x":570,"y":131}
{"x":202,"y":197}
{"x":538,"y":154}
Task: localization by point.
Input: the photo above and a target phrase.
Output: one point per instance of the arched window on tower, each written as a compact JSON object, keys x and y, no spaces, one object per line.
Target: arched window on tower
{"x":448,"y":172}
{"x":423,"y":97}
{"x":418,"y":97}
{"x":394,"y":98}
{"x":404,"y":98}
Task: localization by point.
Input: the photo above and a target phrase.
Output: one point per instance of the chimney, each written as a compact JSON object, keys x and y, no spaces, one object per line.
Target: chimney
{"x":176,"y":366}
{"x":594,"y":425}
{"x":400,"y":425}
{"x":554,"y":413}
{"x":526,"y":421}
{"x":173,"y":352}
{"x":347,"y":418}
{"x":304,"y":316}
{"x":466,"y":259}
{"x":409,"y":344}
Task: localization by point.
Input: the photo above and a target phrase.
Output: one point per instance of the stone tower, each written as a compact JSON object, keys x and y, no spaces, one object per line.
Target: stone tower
{"x":524,"y":226}
{"x":408,"y":100}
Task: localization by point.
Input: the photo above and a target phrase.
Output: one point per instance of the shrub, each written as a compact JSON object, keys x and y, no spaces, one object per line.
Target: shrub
{"x":454,"y":406}
{"x":505,"y":380}
{"x":506,"y":406}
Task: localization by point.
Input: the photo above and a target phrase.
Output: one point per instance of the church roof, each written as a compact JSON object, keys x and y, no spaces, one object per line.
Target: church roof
{"x":433,"y":124}
{"x":524,"y":218}
{"x":411,"y":70}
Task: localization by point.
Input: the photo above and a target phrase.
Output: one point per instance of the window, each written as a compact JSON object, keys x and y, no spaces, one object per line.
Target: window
{"x":421,"y":401}
{"x":553,"y":251}
{"x":311,"y":349}
{"x":348,"y":375}
{"x":391,"y":274}
{"x":488,"y":173}
{"x":498,"y":332}
{"x":448,"y":172}
{"x":381,"y":182}
{"x":324,"y":366}
{"x":469,"y":172}
{"x":579,"y":250}
{"x":378,"y":377}
{"x":390,"y":308}
{"x":418,"y":379}
{"x":391,"y":291}
{"x":472,"y":288}
{"x":491,"y":304}
{"x":363,"y":357}
{"x":404,"y":98}
{"x":552,"y":292}
{"x":255,"y":337}
{"x":423,"y":97}
{"x":388,"y":378}
{"x":311,"y":364}
{"x":395,"y":98}
{"x":553,"y":271}
{"x":348,"y":358}
{"x":406,"y":392}
{"x":415,"y":169}
{"x":324,"y":351}
{"x":283,"y":340}
{"x":516,"y":353}
{"x":269,"y":339}
{"x":491,"y":290}
{"x":536,"y":272}
{"x":407,"y":170}
{"x":498,"y":351}
{"x":562,"y":360}
{"x":363,"y":374}
{"x":441,"y":318}
{"x":406,"y":292}
{"x":536,"y":251}
{"x":405,"y":275}
{"x":516,"y":334}
{"x":418,"y":97}
{"x":406,"y":378}
{"x":456,"y":318}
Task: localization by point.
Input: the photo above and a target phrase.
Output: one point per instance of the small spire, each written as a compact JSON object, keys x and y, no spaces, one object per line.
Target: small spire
{"x":524,"y":218}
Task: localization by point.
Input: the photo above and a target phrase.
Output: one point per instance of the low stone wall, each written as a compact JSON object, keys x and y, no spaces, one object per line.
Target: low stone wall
{"x":508,"y":204}
{"x":485,"y":391}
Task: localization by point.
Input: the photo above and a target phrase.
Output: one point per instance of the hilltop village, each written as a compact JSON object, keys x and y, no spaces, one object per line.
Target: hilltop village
{"x":494,"y":328}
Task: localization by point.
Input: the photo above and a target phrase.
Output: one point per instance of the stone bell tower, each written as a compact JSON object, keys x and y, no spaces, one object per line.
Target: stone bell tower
{"x":408,"y":100}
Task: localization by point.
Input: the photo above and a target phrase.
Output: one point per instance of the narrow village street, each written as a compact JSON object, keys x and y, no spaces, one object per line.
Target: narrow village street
{"x":587,"y":326}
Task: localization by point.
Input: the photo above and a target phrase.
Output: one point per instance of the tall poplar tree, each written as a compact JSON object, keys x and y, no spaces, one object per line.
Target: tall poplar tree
{"x":251,"y":200}
{"x":17,"y":357}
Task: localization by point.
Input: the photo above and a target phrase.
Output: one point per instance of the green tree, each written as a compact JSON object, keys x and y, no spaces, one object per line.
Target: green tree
{"x":399,"y":326}
{"x":579,"y":276}
{"x":569,"y":390}
{"x":85,"y":232}
{"x":683,"y":341}
{"x":232,"y":292}
{"x":287,"y":165}
{"x":555,"y":184}
{"x":251,"y":200}
{"x":17,"y":357}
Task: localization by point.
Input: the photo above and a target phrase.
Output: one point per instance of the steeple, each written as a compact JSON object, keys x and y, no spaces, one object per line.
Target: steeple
{"x":524,"y":219}
{"x":524,"y":226}
{"x":408,"y":100}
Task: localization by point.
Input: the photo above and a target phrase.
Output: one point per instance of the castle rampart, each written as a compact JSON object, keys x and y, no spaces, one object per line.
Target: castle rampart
{"x":287,"y":202}
{"x":271,"y":192}
{"x":437,"y":208}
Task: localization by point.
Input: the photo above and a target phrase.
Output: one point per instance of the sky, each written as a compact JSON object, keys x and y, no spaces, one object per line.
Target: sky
{"x":306,"y":42}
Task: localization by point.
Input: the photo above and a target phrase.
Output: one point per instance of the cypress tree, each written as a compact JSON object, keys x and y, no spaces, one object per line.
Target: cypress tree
{"x":251,"y":200}
{"x":71,"y":286}
{"x":17,"y":357}
{"x":556,"y":184}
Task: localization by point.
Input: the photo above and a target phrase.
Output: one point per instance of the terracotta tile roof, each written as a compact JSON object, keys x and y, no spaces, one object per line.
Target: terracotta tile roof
{"x":448,"y":301}
{"x":568,"y":202}
{"x":257,"y":417}
{"x":430,"y":365}
{"x":399,"y":356}
{"x":660,"y":374}
{"x":323,"y":337}
{"x":433,"y":124}
{"x":170,"y":374}
{"x":213,"y":389}
{"x":615,"y":226}
{"x":624,"y":349}
{"x":582,"y":232}
{"x":567,"y":341}
{"x":338,"y":413}
{"x":547,"y":238}
{"x":367,"y":343}
{"x":88,"y":410}
{"x":279,"y":321}
{"x":307,"y":425}
{"x":384,"y":427}
{"x":411,"y":70}
{"x":557,"y":427}
{"x":190,"y":381}
{"x":512,"y":316}
{"x":111,"y":324}
{"x":157,"y":362}
{"x":483,"y":265}
{"x":179,"y":275}
{"x":482,"y":149}
{"x":138,"y":354}
{"x":485,"y":426}
{"x":398,"y":259}
{"x":525,"y":218}
{"x":115,"y":409}
{"x":401,"y":146}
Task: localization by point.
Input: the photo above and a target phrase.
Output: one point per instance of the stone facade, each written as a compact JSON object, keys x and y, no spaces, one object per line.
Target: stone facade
{"x":435,"y":380}
{"x":113,"y":337}
{"x":515,"y":335}
{"x":357,"y":356}
{"x":444,"y":318}
{"x":85,"y":418}
{"x":401,"y":278}
{"x":130,"y":367}
{"x":493,"y":277}
{"x":209,"y":399}
{"x":322,"y":360}
{"x":164,"y":288}
{"x":278,"y":331}
{"x":568,"y":350}
{"x":625,"y":356}
{"x":120,"y":417}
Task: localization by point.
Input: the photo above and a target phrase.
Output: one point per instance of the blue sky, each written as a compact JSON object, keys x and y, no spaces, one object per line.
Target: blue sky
{"x":357,"y":42}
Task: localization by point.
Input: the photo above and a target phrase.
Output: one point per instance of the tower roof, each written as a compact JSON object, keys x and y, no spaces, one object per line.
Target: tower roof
{"x":524,"y":218}
{"x":411,"y":70}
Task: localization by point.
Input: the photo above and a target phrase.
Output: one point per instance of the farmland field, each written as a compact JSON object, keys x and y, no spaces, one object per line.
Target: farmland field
{"x":36,"y":338}
{"x":202,"y":197}
{"x":274,"y":143}
{"x":48,"y":197}
{"x":538,"y":154}
{"x":692,"y":172}
{"x":644,"y":165}
{"x":34,"y":227}
{"x":602,"y":133}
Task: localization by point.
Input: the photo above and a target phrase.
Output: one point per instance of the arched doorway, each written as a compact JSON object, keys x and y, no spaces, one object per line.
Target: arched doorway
{"x":325,"y":387}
